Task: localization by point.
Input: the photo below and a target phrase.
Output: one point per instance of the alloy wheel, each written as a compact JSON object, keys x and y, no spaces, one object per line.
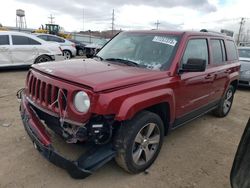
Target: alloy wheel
{"x":66,"y":55}
{"x":228,"y":101}
{"x":145,"y":145}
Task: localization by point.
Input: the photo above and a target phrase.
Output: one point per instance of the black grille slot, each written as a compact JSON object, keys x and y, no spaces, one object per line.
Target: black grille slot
{"x":47,"y":94}
{"x":64,"y":99}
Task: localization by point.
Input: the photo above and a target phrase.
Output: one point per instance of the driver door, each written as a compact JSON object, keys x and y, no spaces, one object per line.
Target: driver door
{"x":5,"y":55}
{"x":195,"y":88}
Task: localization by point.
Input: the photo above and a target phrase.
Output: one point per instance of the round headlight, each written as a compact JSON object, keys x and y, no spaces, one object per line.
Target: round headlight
{"x":81,"y":102}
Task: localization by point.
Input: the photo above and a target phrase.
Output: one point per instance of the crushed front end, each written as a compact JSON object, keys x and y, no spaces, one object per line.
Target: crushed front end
{"x":47,"y":104}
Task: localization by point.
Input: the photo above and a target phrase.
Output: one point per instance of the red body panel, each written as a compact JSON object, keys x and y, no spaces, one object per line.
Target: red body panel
{"x":123,"y":91}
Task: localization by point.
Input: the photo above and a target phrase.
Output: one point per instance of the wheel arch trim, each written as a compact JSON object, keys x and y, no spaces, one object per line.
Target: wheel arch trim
{"x":137,"y":103}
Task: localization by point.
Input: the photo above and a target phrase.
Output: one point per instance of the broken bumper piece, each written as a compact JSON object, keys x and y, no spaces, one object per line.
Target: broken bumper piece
{"x":84,"y":166}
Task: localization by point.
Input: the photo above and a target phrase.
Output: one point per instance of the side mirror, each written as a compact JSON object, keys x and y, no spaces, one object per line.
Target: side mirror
{"x":194,"y":65}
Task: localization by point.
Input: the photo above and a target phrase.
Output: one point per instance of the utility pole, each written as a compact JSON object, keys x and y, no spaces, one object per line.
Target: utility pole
{"x":83,"y":19}
{"x":242,"y":22}
{"x":51,"y":18}
{"x":157,"y":24}
{"x":113,"y":21}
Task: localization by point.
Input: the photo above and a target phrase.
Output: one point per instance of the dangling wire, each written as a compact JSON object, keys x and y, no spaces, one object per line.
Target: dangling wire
{"x":61,"y":116}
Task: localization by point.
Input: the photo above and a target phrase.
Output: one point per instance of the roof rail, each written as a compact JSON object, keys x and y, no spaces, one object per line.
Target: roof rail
{"x":205,"y":30}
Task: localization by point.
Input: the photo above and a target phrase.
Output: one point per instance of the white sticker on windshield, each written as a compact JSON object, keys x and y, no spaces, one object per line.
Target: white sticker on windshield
{"x":165,"y":40}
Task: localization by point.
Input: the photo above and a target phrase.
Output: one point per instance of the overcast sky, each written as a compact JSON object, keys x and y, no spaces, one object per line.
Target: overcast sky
{"x":129,"y":14}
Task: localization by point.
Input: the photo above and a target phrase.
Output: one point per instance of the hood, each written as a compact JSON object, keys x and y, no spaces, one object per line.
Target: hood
{"x":99,"y":75}
{"x":93,"y":45}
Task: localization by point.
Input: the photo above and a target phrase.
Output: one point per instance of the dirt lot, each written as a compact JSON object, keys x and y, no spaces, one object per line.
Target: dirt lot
{"x":199,"y":154}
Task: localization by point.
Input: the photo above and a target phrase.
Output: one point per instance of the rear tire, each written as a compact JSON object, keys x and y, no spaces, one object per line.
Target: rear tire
{"x":138,"y":142}
{"x":67,"y":54}
{"x":89,"y":56}
{"x":42,"y":59}
{"x":226,"y":103}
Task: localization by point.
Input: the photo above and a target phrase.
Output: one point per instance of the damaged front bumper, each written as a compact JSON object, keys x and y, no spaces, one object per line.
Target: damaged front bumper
{"x":84,"y":166}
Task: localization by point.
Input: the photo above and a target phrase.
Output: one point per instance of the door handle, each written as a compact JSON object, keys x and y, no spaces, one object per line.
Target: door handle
{"x":209,"y":76}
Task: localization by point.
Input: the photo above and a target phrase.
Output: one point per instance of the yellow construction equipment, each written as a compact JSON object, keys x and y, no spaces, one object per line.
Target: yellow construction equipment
{"x":52,"y":29}
{"x":2,"y":28}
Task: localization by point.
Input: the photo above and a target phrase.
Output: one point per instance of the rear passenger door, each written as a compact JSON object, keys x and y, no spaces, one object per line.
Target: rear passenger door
{"x":219,"y":66}
{"x":24,"y":49}
{"x":5,"y":55}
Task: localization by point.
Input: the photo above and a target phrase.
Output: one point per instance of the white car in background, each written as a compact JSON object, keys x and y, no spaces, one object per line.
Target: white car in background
{"x":21,"y":49}
{"x":68,"y":47}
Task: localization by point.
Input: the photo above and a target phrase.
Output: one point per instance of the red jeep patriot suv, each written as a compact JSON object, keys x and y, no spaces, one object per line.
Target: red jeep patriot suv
{"x":122,"y":102}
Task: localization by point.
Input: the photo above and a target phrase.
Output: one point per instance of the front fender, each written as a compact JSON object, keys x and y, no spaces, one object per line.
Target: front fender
{"x":134,"y":104}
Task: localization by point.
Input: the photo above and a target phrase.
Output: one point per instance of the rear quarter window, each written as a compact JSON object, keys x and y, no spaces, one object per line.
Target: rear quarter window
{"x":231,"y":50}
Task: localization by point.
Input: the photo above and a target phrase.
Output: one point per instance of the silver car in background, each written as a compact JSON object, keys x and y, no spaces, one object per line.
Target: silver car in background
{"x":244,"y":56}
{"x":68,"y":47}
{"x":21,"y":49}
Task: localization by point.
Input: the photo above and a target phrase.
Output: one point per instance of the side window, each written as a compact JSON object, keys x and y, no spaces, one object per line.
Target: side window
{"x":4,"y":40}
{"x":218,"y":51}
{"x":44,"y":37}
{"x":23,"y":40}
{"x":196,"y":48}
{"x":231,"y":50}
{"x":55,"y":39}
{"x":33,"y":42}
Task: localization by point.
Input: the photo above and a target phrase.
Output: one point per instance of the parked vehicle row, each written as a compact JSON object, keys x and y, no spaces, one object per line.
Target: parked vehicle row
{"x":20,"y":49}
{"x":80,"y":47}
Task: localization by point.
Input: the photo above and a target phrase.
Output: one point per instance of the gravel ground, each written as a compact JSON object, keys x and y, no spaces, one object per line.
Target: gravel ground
{"x":199,"y":154}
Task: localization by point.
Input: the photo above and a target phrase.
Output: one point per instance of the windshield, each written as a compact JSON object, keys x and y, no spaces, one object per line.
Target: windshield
{"x":102,"y":42}
{"x":153,"y":51}
{"x":245,"y":53}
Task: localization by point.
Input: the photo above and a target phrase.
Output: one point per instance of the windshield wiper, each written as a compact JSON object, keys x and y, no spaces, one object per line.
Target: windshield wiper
{"x":124,"y":61}
{"x":98,"y":57}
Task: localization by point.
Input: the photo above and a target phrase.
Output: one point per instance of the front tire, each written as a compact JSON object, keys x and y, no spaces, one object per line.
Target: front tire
{"x":80,"y":52}
{"x":226,"y":103}
{"x":138,"y":142}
